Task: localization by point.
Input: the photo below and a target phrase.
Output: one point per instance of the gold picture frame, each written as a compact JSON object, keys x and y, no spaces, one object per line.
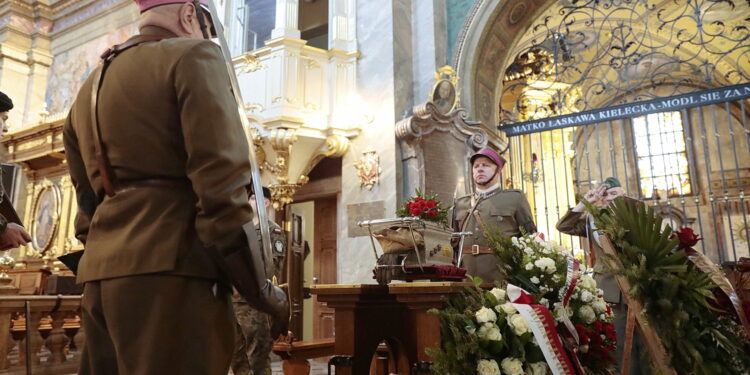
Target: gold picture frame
{"x":45,"y":219}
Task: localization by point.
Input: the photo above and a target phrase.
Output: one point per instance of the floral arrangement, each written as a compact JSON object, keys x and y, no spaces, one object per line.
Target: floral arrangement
{"x":426,"y":207}
{"x":677,"y":286}
{"x":489,"y":332}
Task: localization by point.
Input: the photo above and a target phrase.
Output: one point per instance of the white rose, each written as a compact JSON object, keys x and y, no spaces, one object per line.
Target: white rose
{"x":587,"y":314}
{"x":558,"y":311}
{"x":534,"y":279}
{"x":588,"y":282}
{"x":544,"y":302}
{"x":499,"y":294}
{"x":556,"y":278}
{"x":529,"y":267}
{"x":586,"y":296}
{"x":599,"y":292}
{"x":512,"y":366}
{"x":599,"y":305}
{"x":518,"y":323}
{"x":485,"y":315}
{"x":508,"y":308}
{"x":488,"y":367}
{"x":490,"y":332}
{"x":538,"y":368}
{"x":546,"y":264}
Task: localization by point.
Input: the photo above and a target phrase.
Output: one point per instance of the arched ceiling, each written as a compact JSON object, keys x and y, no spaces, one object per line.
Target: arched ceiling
{"x":607,"y":50}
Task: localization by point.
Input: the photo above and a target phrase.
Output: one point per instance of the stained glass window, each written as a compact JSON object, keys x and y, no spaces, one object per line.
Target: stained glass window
{"x":662,"y":155}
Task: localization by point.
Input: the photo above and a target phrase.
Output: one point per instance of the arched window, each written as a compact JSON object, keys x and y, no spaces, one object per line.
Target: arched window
{"x":661,"y":153}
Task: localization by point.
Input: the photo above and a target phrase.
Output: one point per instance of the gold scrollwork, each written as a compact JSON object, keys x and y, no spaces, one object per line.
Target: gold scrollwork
{"x":249,"y":63}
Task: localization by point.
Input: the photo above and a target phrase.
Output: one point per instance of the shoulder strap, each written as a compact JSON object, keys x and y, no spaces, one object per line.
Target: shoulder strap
{"x":109,"y":180}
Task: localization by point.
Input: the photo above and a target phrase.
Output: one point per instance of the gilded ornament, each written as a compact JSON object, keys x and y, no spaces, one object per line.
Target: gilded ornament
{"x":368,"y":169}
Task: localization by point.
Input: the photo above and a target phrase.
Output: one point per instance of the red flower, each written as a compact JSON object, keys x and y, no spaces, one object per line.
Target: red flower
{"x":609,"y":331}
{"x":688,"y":238}
{"x":432,"y":213}
{"x":583,"y":334}
{"x":414,"y":209}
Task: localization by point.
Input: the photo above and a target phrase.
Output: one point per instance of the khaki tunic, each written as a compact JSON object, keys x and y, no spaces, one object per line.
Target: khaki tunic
{"x":253,"y":341}
{"x":577,"y":224}
{"x":166,"y":110}
{"x":505,"y":210}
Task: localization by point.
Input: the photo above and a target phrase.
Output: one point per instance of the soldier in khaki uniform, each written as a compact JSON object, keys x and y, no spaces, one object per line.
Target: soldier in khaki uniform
{"x":12,"y":235}
{"x":253,"y":340}
{"x":160,"y":165}
{"x":489,"y":207}
{"x":578,"y":222}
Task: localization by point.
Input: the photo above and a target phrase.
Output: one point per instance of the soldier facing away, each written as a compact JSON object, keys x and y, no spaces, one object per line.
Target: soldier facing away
{"x":12,"y":235}
{"x":160,"y":166}
{"x":490,"y":207}
{"x":253,"y":340}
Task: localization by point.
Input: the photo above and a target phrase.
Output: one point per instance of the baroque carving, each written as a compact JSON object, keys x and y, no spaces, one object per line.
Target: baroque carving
{"x":368,"y":169}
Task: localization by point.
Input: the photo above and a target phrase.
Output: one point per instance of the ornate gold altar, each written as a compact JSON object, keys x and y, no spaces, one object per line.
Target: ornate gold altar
{"x":46,"y":200}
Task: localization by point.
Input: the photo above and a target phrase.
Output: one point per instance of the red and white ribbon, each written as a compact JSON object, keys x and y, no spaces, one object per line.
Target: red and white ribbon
{"x":542,"y":325}
{"x":571,"y":280}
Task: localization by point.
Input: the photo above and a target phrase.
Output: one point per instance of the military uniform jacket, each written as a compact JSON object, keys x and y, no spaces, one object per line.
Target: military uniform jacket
{"x":166,"y":110}
{"x":506,"y":210}
{"x":579,"y":224}
{"x":278,"y":248}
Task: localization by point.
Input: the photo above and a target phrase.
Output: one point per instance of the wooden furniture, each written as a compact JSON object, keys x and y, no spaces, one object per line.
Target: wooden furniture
{"x":297,"y":353}
{"x":397,"y":313}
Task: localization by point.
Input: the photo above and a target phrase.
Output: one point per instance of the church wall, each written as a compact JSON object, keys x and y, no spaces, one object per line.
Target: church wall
{"x":376,"y":79}
{"x":76,"y":50}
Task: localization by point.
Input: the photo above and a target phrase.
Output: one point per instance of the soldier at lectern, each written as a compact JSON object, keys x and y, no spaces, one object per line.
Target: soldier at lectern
{"x":12,"y":233}
{"x":490,"y":207}
{"x":253,"y":340}
{"x":160,"y":165}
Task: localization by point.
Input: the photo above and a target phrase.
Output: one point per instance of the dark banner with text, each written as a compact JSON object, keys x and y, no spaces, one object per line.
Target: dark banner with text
{"x":630,"y":110}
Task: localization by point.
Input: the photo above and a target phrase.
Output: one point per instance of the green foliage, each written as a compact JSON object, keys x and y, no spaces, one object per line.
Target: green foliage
{"x":674,"y":292}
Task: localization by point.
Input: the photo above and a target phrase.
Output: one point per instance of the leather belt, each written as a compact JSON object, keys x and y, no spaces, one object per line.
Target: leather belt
{"x":476,"y":250}
{"x":168,"y":183}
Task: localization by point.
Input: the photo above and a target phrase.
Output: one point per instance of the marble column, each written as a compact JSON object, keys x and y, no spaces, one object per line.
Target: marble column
{"x":342,"y":20}
{"x":287,"y":19}
{"x":25,"y":58}
{"x":428,"y":44}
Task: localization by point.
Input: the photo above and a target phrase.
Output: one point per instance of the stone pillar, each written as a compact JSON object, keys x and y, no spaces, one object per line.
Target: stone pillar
{"x":342,"y":27}
{"x":25,"y":57}
{"x":287,"y":19}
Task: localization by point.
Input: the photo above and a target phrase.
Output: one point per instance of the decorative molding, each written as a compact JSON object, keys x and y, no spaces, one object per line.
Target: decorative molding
{"x":427,"y":119}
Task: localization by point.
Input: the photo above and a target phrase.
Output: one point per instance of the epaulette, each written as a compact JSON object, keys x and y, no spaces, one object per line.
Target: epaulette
{"x":511,"y":191}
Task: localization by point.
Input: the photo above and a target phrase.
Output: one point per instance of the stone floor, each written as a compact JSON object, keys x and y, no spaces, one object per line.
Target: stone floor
{"x":316,"y":368}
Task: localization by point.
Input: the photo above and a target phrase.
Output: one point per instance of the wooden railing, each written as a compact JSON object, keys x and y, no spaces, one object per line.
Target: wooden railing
{"x":54,"y":335}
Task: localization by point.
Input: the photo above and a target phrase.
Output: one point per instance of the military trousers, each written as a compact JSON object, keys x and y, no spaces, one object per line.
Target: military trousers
{"x":156,"y":324}
{"x":253,"y":341}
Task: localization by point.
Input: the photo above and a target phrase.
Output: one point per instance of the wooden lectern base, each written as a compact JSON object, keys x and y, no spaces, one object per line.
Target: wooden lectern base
{"x":367,"y":314}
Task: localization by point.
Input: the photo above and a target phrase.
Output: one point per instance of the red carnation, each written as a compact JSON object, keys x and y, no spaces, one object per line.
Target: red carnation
{"x":688,"y":238}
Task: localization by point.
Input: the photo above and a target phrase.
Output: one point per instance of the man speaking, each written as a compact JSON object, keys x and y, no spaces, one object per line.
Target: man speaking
{"x":160,"y":165}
